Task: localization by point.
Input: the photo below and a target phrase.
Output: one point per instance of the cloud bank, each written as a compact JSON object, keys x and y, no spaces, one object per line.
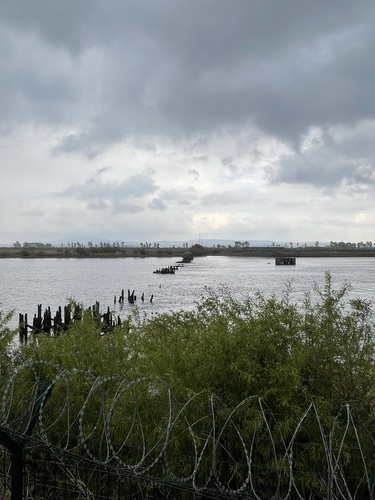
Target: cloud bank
{"x":153,"y":121}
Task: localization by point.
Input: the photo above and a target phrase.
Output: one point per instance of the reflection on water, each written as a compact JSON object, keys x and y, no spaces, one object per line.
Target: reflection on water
{"x":51,"y":282}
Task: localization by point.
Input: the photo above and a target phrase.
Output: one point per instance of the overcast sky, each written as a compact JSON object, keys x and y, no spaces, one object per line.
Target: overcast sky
{"x":150,"y":120}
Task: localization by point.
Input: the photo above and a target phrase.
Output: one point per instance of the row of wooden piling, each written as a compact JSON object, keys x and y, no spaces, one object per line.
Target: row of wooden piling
{"x":131,"y":297}
{"x":54,"y":325}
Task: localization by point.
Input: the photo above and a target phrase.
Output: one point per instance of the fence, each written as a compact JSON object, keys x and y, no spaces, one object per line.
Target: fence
{"x":50,"y":473}
{"x":77,"y":435}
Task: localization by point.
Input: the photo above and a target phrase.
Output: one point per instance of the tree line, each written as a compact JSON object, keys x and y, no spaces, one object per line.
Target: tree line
{"x":343,"y":244}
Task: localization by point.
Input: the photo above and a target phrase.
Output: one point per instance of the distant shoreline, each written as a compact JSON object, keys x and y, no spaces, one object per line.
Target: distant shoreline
{"x":195,"y":251}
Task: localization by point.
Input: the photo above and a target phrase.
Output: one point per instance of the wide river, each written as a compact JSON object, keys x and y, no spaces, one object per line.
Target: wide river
{"x":51,"y":282}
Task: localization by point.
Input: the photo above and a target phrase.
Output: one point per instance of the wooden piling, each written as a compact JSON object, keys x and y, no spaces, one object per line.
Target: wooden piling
{"x":47,"y":321}
{"x":67,"y":312}
{"x":22,"y":328}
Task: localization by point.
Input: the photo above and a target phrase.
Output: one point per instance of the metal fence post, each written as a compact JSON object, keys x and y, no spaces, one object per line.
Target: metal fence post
{"x":15,"y":441}
{"x":15,"y":446}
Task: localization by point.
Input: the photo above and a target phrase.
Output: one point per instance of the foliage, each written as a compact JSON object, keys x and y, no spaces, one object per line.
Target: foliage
{"x":265,"y":360}
{"x":6,"y":334}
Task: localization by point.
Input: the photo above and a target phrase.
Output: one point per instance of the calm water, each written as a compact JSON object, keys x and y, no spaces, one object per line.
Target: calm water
{"x":51,"y":282}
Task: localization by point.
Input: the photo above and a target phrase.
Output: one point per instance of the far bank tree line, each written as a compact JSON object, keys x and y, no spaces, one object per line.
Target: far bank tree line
{"x":237,"y":244}
{"x":89,"y":244}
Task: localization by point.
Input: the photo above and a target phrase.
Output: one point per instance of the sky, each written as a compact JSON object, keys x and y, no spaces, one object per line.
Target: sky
{"x":144,"y":120}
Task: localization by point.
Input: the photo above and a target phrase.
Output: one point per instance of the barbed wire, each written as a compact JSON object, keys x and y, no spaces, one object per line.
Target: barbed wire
{"x":141,"y":427}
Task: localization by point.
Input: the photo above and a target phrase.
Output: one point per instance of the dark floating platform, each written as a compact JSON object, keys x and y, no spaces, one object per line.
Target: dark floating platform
{"x":285,"y":261}
{"x":166,"y":270}
{"x":172,"y":269}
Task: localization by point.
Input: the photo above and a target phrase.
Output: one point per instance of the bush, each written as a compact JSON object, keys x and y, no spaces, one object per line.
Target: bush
{"x":285,"y":379}
{"x":6,"y":334}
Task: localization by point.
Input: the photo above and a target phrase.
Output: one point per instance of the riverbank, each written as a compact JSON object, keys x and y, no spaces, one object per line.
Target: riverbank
{"x":195,"y":251}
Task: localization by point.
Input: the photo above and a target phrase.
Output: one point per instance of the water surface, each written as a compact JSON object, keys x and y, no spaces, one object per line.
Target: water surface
{"x":51,"y":282}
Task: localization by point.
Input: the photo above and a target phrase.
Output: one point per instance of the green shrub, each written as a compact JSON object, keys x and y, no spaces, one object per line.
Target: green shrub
{"x":263,"y":372}
{"x":6,"y":334}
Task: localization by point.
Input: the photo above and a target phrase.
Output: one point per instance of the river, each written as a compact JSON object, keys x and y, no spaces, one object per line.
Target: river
{"x":52,"y":282}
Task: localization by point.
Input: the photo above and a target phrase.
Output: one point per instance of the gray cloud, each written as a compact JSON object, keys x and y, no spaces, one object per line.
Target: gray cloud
{"x":194,"y":105}
{"x":158,"y":204}
{"x":186,"y":68}
{"x":126,"y":207}
{"x":345,"y":157}
{"x":180,"y":196}
{"x":224,"y":198}
{"x":135,"y":186}
{"x":32,"y":213}
{"x":97,"y":205}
